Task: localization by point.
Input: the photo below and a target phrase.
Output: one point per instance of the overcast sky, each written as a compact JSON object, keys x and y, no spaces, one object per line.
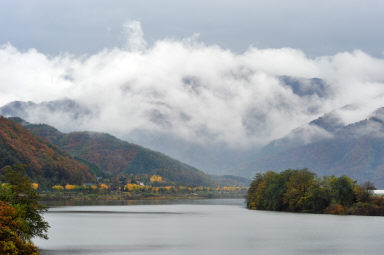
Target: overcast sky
{"x":86,"y":26}
{"x":142,"y":67}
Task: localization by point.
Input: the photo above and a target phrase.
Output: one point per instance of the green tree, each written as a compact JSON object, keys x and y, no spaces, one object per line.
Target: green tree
{"x":10,"y":226}
{"x":364,"y":192}
{"x":342,"y":190}
{"x":17,"y":191}
{"x":267,"y":190}
{"x":300,"y":190}
{"x":253,"y":195}
{"x":272,"y":192}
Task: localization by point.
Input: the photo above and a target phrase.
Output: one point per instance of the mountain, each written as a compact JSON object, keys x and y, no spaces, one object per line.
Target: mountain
{"x":304,"y":86}
{"x":47,"y":164}
{"x":69,"y":115}
{"x":326,"y":146}
{"x":117,"y":157}
{"x":63,"y":107}
{"x":339,"y":142}
{"x":209,"y":153}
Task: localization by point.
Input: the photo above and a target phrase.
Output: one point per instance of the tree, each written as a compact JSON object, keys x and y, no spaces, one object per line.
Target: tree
{"x":156,"y":178}
{"x":19,"y":193}
{"x":342,"y":190}
{"x":300,"y":186}
{"x":253,"y":195}
{"x":272,"y":192}
{"x":57,"y":187}
{"x":303,"y":191}
{"x":10,"y":225}
{"x":266,"y":191}
{"x":103,"y":186}
{"x":364,"y":192}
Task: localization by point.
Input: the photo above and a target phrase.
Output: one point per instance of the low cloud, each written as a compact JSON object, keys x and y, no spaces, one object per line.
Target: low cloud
{"x":196,"y":92}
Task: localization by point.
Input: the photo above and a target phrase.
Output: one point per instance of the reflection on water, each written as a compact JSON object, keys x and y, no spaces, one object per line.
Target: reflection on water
{"x":205,"y":227}
{"x":109,"y":212}
{"x":145,"y":202}
{"x":115,"y":249}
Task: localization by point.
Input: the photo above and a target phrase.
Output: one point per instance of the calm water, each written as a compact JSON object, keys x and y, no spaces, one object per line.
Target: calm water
{"x":206,"y":227}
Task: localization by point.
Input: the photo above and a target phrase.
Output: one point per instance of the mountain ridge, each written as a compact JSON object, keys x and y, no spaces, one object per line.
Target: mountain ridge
{"x":355,"y":149}
{"x":117,"y":157}
{"x":45,"y":162}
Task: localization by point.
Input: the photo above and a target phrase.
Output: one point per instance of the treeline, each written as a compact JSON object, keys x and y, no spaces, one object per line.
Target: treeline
{"x":140,"y":184}
{"x":302,"y":191}
{"x":20,"y":213}
{"x":132,"y":187}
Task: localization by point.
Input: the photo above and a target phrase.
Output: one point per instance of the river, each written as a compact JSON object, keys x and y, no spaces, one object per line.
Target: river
{"x":222,"y":226}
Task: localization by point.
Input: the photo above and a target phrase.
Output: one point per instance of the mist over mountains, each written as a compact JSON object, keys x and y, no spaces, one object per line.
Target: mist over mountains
{"x":68,"y":115}
{"x":212,"y":155}
{"x":326,"y":145}
{"x":218,"y":110}
{"x":329,"y":147}
{"x":194,"y":92}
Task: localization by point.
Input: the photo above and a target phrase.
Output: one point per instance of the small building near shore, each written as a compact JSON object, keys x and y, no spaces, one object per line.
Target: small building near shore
{"x":378,"y":191}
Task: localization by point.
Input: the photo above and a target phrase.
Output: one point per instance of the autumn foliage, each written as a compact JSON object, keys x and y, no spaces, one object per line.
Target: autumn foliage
{"x":156,"y":178}
{"x":303,"y":191}
{"x":114,"y":157}
{"x":20,"y":213}
{"x":45,"y":161}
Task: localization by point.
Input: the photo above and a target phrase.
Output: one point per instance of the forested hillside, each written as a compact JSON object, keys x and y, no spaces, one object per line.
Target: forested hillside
{"x":46,"y":163}
{"x":117,"y":157}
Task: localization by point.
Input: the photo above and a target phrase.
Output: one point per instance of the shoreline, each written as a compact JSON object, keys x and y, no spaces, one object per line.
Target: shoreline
{"x":74,"y":198}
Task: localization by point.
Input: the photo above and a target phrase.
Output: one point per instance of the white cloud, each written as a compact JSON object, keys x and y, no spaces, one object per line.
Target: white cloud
{"x":197,"y":92}
{"x":135,"y":36}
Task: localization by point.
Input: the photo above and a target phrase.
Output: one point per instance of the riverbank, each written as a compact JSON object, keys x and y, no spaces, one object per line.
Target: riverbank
{"x":128,"y":196}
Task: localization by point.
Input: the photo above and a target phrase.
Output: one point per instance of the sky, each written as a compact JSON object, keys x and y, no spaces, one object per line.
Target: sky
{"x":318,"y":28}
{"x":205,"y":72}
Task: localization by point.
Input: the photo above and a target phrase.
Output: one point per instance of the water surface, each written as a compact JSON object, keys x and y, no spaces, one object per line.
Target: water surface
{"x":205,"y":227}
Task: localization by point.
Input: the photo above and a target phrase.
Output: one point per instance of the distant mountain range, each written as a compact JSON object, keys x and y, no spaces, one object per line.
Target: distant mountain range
{"x":54,"y":157}
{"x":66,"y":114}
{"x":213,"y":157}
{"x":325,"y":145}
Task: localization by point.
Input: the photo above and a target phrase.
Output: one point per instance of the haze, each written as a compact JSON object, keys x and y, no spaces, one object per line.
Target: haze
{"x":171,"y":74}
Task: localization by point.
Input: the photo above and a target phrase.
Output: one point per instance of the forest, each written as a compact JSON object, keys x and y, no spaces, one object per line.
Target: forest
{"x":303,"y":191}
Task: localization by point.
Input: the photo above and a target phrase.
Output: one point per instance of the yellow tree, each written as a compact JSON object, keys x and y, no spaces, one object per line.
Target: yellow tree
{"x":103,"y":186}
{"x":70,"y":187}
{"x":156,"y":178}
{"x":128,"y":186}
{"x":58,"y":187}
